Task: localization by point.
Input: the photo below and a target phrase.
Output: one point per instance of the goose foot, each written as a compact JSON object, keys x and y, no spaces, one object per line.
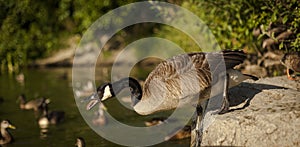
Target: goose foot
{"x":225,"y":104}
{"x":197,"y":129}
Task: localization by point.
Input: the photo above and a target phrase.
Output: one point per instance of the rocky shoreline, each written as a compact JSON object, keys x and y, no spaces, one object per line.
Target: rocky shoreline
{"x":263,"y":113}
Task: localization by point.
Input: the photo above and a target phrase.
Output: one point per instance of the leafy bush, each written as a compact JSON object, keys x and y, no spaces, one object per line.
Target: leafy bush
{"x":234,"y":22}
{"x":34,"y":29}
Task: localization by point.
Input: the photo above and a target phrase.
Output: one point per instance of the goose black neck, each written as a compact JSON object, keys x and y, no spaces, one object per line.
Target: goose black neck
{"x":133,"y":84}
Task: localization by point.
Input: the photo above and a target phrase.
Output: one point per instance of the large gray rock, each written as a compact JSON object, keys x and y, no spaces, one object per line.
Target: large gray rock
{"x":263,"y":113}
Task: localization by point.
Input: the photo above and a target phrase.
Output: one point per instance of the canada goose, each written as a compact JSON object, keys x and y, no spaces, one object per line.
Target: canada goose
{"x":80,"y":142}
{"x":166,"y":73}
{"x":52,"y":117}
{"x":6,"y":137}
{"x":34,"y":104}
{"x":162,"y":89}
{"x":292,"y":62}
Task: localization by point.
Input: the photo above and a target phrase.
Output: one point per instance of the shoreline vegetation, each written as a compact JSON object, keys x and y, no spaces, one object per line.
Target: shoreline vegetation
{"x":48,"y":38}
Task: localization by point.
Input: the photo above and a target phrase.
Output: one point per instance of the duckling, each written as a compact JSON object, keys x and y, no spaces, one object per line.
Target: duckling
{"x":292,"y":62}
{"x":80,"y":142}
{"x":32,"y":104}
{"x":54,"y":117}
{"x":6,"y":137}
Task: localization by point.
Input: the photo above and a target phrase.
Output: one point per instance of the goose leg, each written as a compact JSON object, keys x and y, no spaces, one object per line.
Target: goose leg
{"x":225,"y":104}
{"x":196,"y":132}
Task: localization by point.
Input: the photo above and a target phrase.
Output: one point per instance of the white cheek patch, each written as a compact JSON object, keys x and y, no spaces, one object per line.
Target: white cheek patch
{"x":107,"y":94}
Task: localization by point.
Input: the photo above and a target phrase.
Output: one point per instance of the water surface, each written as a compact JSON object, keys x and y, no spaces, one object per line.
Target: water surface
{"x":56,"y":84}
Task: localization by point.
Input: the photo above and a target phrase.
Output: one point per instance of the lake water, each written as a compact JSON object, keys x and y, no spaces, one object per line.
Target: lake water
{"x":50,"y":83}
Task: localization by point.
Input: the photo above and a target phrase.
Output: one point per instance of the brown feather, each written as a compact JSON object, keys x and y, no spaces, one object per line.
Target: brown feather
{"x":184,"y":76}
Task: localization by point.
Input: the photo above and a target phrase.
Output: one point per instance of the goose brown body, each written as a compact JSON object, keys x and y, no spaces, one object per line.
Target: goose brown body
{"x":183,"y":78}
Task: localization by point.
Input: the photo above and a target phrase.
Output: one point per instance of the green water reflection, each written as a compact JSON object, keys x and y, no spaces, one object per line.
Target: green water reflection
{"x":56,"y":84}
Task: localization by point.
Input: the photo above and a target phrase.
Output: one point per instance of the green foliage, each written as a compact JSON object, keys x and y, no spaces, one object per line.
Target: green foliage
{"x":178,"y":37}
{"x":233,"y":22}
{"x":32,"y":29}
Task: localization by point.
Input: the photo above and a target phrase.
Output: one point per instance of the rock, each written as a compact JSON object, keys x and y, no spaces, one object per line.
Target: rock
{"x":262,"y":113}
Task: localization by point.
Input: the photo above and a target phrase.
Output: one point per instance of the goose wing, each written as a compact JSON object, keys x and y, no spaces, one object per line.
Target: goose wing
{"x":181,"y":79}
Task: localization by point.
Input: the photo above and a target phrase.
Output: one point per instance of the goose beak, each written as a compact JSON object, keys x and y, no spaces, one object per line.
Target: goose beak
{"x":93,"y":100}
{"x":11,"y":127}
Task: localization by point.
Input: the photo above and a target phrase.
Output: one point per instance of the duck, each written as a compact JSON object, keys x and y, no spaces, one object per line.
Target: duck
{"x":292,"y":62}
{"x":183,"y":133}
{"x":80,"y":142}
{"x":34,"y":104}
{"x":161,"y":90}
{"x":6,"y":136}
{"x":47,"y":118}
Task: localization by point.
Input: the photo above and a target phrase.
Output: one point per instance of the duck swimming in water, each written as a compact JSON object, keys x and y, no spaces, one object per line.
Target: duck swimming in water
{"x":34,"y":104}
{"x":47,"y":118}
{"x":6,"y":137}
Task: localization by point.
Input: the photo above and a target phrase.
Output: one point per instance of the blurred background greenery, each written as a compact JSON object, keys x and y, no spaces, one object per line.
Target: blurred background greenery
{"x":34,"y":29}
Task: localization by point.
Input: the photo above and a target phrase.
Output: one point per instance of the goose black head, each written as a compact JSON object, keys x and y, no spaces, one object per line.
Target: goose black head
{"x":103,"y":92}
